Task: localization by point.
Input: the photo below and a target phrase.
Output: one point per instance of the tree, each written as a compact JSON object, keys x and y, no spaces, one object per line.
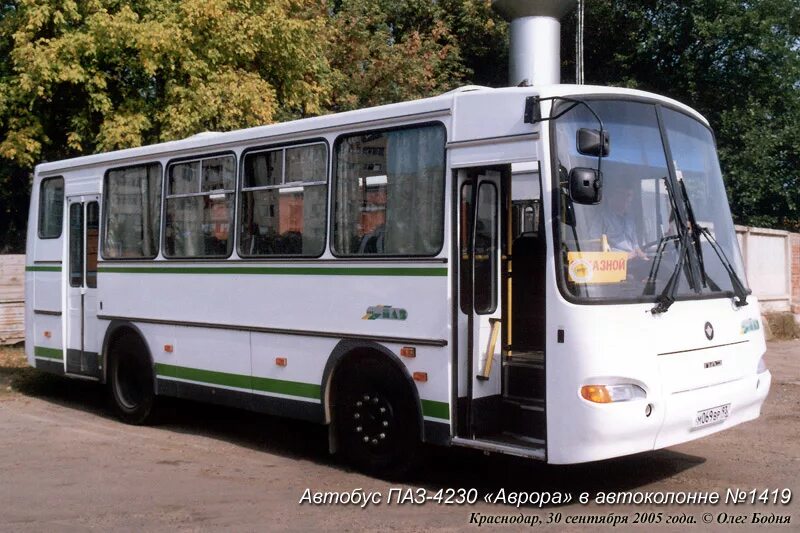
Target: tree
{"x":737,"y":62}
{"x":96,"y":75}
{"x":385,"y":51}
{"x":85,"y":76}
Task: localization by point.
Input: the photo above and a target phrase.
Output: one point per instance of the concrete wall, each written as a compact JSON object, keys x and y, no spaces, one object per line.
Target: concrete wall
{"x":795,"y":244}
{"x":768,"y":263}
{"x":12,"y":294}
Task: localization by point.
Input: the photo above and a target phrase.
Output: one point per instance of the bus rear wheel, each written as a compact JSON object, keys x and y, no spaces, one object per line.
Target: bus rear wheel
{"x":131,"y":381}
{"x":377,"y":427}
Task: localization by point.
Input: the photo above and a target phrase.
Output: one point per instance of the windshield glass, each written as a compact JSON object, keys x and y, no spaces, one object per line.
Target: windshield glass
{"x":695,"y":158}
{"x":627,"y":246}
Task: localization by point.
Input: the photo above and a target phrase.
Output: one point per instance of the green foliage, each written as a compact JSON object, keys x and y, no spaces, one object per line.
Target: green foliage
{"x":736,"y":62}
{"x":393,"y":50}
{"x":80,"y":77}
{"x":119,"y":74}
{"x":86,"y":76}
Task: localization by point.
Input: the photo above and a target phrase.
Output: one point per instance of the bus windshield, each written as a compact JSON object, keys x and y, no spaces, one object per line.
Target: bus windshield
{"x":626,"y":247}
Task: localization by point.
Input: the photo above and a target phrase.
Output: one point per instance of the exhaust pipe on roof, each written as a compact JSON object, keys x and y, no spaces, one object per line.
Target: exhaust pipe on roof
{"x":535,"y":48}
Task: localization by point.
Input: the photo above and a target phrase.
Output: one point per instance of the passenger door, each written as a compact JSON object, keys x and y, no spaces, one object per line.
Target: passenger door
{"x":83,"y":215}
{"x":480,"y":295}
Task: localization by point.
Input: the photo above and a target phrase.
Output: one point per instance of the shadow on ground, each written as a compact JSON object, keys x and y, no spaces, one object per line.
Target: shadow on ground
{"x":440,"y":467}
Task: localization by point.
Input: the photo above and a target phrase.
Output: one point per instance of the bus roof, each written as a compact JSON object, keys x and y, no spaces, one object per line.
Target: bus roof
{"x":441,"y":104}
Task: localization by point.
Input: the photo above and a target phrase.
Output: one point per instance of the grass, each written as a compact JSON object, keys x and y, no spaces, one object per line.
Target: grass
{"x":15,"y":374}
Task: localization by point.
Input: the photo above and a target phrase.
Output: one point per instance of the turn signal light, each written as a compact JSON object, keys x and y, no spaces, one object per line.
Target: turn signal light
{"x":168,"y":348}
{"x":281,"y":361}
{"x":47,"y":334}
{"x":595,"y":393}
{"x":612,"y":393}
{"x":421,"y":376}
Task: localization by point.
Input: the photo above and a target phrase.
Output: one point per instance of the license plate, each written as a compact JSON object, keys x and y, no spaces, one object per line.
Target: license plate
{"x":713,"y":415}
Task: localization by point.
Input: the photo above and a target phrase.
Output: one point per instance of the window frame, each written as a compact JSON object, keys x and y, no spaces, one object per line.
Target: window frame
{"x":41,"y":210}
{"x":335,"y":181}
{"x":241,"y":189}
{"x":165,"y":187}
{"x":494,"y":260}
{"x":86,"y":271}
{"x":104,"y":212}
{"x":76,"y":280}
{"x":555,"y":211}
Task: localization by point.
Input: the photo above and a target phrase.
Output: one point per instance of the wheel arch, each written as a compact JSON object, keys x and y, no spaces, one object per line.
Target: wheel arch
{"x":115,"y":330}
{"x":347,"y":349}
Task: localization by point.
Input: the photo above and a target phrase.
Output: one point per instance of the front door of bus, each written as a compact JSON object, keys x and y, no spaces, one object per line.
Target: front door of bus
{"x":480,"y":294}
{"x":83,"y":214}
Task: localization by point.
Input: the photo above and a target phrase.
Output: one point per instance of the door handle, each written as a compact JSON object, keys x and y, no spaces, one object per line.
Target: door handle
{"x":487,"y":366}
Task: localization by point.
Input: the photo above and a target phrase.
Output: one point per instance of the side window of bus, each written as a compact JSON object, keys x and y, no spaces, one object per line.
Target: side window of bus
{"x":389,"y":193}
{"x":132,"y":212}
{"x":51,"y":208}
{"x":283,"y":201}
{"x":198,"y":212}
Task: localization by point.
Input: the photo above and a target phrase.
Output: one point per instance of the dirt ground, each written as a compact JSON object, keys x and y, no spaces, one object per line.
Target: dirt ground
{"x":67,"y":465}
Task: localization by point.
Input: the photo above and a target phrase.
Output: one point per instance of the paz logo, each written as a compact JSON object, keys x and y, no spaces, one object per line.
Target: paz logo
{"x":581,"y":270}
{"x":709,"y":331}
{"x":749,"y":325}
{"x":385,"y":312}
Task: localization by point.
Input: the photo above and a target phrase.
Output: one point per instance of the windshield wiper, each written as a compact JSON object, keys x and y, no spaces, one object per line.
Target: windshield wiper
{"x":696,"y":232}
{"x":650,"y":285}
{"x":667,"y":296}
{"x":739,"y":289}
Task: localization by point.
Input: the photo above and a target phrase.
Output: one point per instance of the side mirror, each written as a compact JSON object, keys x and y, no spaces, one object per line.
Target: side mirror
{"x":590,"y":143}
{"x":585,"y":186}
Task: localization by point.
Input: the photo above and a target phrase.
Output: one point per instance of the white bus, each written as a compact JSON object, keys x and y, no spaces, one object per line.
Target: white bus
{"x":546,"y":272}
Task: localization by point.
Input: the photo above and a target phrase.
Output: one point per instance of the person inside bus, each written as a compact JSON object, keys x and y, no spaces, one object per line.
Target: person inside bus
{"x":372,"y":243}
{"x":619,"y":224}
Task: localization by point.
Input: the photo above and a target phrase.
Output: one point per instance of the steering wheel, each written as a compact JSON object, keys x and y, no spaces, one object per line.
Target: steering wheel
{"x":650,"y":247}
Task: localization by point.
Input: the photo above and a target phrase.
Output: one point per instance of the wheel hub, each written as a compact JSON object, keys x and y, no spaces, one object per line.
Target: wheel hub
{"x":372,"y":419}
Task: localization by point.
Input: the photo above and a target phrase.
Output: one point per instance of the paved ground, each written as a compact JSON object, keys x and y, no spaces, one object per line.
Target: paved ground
{"x":67,"y":465}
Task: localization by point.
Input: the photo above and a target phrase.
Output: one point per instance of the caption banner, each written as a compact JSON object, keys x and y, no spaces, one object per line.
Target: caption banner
{"x":767,"y":501}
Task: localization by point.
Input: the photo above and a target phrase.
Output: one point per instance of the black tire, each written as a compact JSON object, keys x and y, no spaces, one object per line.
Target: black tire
{"x":131,"y":381}
{"x":376,"y":419}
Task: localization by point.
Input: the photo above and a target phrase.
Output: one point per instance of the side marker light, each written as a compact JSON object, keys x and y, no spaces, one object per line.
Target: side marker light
{"x":408,"y":351}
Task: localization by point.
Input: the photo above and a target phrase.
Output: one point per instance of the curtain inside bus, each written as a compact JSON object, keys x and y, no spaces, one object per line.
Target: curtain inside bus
{"x":415,"y":164}
{"x":390,"y":193}
{"x":133,"y":212}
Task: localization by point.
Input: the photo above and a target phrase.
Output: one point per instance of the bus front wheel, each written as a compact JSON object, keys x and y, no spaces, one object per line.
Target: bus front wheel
{"x":376,"y":421}
{"x":131,"y":381}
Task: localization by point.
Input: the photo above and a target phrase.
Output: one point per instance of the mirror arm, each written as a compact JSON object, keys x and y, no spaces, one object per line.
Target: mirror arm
{"x":533,"y":102}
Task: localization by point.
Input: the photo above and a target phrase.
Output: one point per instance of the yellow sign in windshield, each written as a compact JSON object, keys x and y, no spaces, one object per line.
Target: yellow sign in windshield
{"x":597,"y":267}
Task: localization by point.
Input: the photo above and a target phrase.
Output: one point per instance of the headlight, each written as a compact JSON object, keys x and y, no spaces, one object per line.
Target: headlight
{"x":612,"y":393}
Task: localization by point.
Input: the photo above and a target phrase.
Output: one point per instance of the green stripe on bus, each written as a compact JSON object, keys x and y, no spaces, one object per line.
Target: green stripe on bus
{"x":435,"y":409}
{"x":285,"y":271}
{"x":48,"y":353}
{"x":43,"y":268}
{"x":278,"y":386}
{"x":239,"y":381}
{"x":292,"y":388}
